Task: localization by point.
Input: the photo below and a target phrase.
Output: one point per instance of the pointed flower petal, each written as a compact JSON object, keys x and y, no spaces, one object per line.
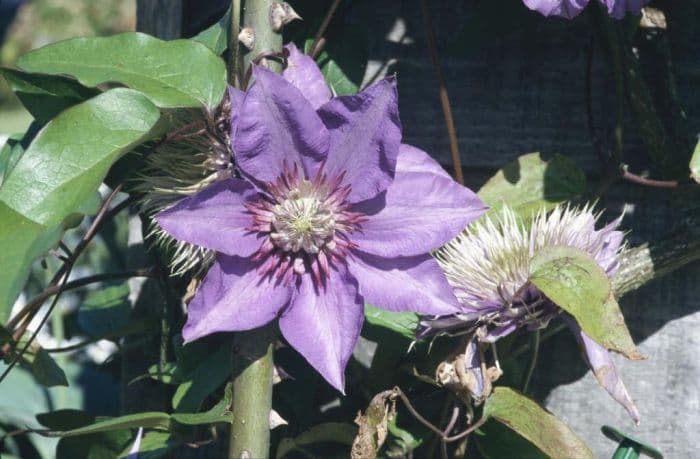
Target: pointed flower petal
{"x":214,"y":218}
{"x":234,"y":297}
{"x":323,"y":325}
{"x":618,"y":8}
{"x":277,"y":125}
{"x":303,"y":73}
{"x":568,"y":9}
{"x":365,"y":135}
{"x":403,"y":284}
{"x":604,"y":369}
{"x":422,"y":209}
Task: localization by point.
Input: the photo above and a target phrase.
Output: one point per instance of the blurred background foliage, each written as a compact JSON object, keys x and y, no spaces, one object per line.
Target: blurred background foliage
{"x":35,"y":23}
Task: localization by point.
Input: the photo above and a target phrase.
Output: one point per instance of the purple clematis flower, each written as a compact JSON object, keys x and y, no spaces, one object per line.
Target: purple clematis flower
{"x":569,"y":9}
{"x":488,"y":265}
{"x":331,"y":210}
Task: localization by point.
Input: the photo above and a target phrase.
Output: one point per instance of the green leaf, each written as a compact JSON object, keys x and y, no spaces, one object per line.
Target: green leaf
{"x":535,"y":424}
{"x":404,"y":323}
{"x":529,"y":184}
{"x":103,"y":445}
{"x":59,"y":173}
{"x":169,"y":373}
{"x":328,"y":432}
{"x":218,"y":413}
{"x":203,"y":380}
{"x":216,"y":37}
{"x":46,"y":370}
{"x":68,"y":159}
{"x":65,"y":419}
{"x":575,"y":282}
{"x":45,"y":96}
{"x":21,"y":241}
{"x":177,"y":73}
{"x":695,"y":164}
{"x":151,"y":420}
{"x":10,"y":153}
{"x":153,"y":445}
{"x":343,"y":60}
{"x":105,"y":310}
{"x":496,"y":441}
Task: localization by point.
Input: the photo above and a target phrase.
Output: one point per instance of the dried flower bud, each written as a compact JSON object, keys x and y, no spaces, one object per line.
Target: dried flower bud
{"x":282,"y":14}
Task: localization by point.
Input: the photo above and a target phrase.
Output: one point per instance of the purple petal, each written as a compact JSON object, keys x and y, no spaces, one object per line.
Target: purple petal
{"x":234,"y":297}
{"x":422,"y":209}
{"x":601,"y":363}
{"x":136,"y":446}
{"x":403,"y":284}
{"x":365,"y":135}
{"x":618,"y":8}
{"x":323,"y":325}
{"x":607,"y":257}
{"x":565,"y":8}
{"x":473,"y":364}
{"x":277,"y":125}
{"x":303,"y":73}
{"x":214,"y":218}
{"x":236,"y":97}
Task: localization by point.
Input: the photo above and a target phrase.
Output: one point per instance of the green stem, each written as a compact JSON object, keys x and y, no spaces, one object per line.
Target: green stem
{"x":256,"y":15}
{"x":252,"y":393}
{"x":535,"y":350}
{"x":234,"y":46}
{"x":253,"y":363}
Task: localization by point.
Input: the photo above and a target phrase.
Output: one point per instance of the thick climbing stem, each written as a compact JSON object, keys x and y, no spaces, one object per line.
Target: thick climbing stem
{"x":252,"y":351}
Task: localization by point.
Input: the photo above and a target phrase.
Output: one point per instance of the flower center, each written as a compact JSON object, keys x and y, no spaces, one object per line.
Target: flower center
{"x":302,"y":221}
{"x":306,"y":225}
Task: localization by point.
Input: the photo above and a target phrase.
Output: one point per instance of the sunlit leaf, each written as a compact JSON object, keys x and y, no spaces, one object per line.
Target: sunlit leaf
{"x":213,"y":371}
{"x":529,"y":184}
{"x":573,"y":280}
{"x":534,"y":423}
{"x":177,"y":73}
{"x":59,"y":173}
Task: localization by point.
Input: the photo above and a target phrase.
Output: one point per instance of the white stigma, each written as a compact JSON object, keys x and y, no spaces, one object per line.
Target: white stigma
{"x":302,"y":220}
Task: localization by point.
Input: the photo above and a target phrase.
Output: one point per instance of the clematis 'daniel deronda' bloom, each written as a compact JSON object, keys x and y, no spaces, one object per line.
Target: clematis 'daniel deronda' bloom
{"x":327,"y":210}
{"x":569,"y":9}
{"x":488,"y":265}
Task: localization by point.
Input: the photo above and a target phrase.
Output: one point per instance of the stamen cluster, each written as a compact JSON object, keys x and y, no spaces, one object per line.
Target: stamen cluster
{"x":305,"y":224}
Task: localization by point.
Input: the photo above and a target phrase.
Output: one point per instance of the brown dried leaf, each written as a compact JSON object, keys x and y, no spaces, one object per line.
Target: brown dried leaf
{"x":373,"y":426}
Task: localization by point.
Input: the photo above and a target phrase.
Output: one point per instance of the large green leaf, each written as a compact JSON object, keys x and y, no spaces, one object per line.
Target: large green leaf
{"x":218,"y":413}
{"x":573,"y":280}
{"x":21,"y":241}
{"x":496,"y":441}
{"x":529,"y":184}
{"x":177,"y":73}
{"x":45,"y":96}
{"x":216,"y":36}
{"x":59,"y":172}
{"x":534,"y":423}
{"x":68,"y":159}
{"x":154,"y":445}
